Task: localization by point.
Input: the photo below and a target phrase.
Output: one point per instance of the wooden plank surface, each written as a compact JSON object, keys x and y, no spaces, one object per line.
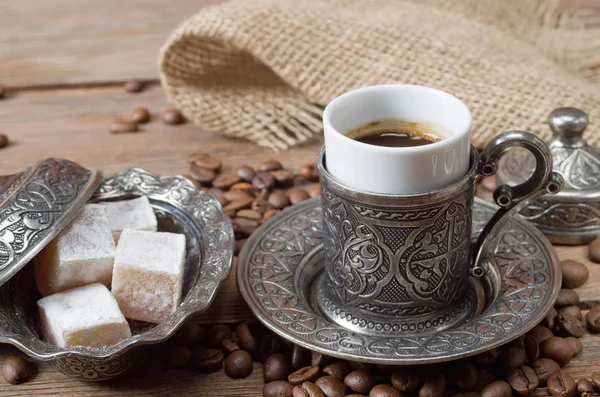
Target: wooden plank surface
{"x":54,"y":42}
{"x":72,"y":123}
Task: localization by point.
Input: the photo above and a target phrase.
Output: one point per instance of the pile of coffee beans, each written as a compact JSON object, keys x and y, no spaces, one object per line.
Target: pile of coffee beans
{"x":251,"y":196}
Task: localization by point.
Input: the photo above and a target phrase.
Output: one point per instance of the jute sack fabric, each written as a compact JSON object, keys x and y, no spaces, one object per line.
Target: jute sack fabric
{"x":263,"y":70}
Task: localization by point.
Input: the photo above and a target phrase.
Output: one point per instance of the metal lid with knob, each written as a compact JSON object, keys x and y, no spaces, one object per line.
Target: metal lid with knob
{"x":573,"y":215}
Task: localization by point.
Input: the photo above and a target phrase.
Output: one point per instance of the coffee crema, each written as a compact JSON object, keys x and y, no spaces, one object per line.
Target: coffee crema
{"x":397,"y":133}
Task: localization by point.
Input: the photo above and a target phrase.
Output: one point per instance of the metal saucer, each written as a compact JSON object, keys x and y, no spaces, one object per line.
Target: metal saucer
{"x":281,"y":266}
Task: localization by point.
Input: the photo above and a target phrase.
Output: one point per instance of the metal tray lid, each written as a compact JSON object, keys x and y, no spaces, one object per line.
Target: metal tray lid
{"x":36,"y":204}
{"x":573,"y":158}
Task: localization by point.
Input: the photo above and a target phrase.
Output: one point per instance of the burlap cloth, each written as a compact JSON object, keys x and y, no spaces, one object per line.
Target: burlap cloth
{"x":262,"y":70}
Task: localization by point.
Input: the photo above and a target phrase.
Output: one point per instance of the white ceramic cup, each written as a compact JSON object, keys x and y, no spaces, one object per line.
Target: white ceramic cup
{"x":397,"y":170}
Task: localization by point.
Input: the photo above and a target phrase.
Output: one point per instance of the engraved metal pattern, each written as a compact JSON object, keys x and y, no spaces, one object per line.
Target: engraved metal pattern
{"x":180,"y":208}
{"x":573,"y":215}
{"x":282,"y":263}
{"x":35,"y":205}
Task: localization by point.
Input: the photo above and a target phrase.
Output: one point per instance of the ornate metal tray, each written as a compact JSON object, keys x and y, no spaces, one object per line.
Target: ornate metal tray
{"x":181,"y":208}
{"x":281,"y":266}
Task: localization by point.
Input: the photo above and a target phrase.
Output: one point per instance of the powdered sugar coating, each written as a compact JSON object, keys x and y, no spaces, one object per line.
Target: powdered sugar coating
{"x":148,"y":274}
{"x":82,"y":253}
{"x":134,"y":214}
{"x":86,"y":316}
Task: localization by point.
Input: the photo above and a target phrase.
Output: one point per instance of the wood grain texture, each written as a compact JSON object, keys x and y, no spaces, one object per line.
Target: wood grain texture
{"x":83,"y":41}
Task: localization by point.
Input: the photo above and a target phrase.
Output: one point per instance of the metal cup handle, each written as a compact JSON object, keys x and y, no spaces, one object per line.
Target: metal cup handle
{"x":512,"y":199}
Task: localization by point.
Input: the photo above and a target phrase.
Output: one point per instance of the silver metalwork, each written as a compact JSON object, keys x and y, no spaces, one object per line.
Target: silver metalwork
{"x":400,"y":262}
{"x":180,"y":208}
{"x":573,"y":215}
{"x":282,"y":266}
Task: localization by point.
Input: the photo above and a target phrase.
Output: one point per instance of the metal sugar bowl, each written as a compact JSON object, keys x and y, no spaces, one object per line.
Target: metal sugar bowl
{"x":573,"y":215}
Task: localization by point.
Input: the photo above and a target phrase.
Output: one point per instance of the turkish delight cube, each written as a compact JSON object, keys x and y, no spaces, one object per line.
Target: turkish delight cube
{"x":134,"y":214}
{"x":83,"y":316}
{"x":82,"y":253}
{"x":148,"y":274}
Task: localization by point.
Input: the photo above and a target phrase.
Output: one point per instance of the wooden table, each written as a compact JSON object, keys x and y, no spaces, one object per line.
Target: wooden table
{"x":64,"y":62}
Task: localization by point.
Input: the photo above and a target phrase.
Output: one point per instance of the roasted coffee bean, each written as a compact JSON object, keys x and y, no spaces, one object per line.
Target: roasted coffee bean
{"x":357,"y":365}
{"x":406,"y":380}
{"x":238,"y":364}
{"x":592,"y":319}
{"x":434,"y":385}
{"x":331,"y":386}
{"x":263,"y":180}
{"x":278,"y":388}
{"x":297,"y":195}
{"x":465,"y":375}
{"x":314,"y":190}
{"x":234,"y":195}
{"x":572,"y":310}
{"x":532,"y":348}
{"x":497,"y":388}
{"x":172,"y":116}
{"x":338,"y":369}
{"x":511,"y":356}
{"x":202,"y":175}
{"x":309,"y":172}
{"x":307,"y":389}
{"x":246,"y":173}
{"x":15,"y":370}
{"x":594,"y":251}
{"x":283,"y":177}
{"x":229,"y":345}
{"x":205,"y":160}
{"x":557,"y":349}
{"x":487,"y":358}
{"x":360,"y":381}
{"x":574,"y":274}
{"x":261,"y":206}
{"x":217,"y":334}
{"x":140,"y":115}
{"x":179,"y":356}
{"x":249,"y":214}
{"x":2,"y":92}
{"x":246,"y":338}
{"x":244,"y":187}
{"x":189,"y":334}
{"x":224,"y":182}
{"x":133,"y":86}
{"x":570,"y":325}
{"x":306,"y":374}
{"x":300,"y":357}
{"x":489,"y":183}
{"x":584,"y":387}
{"x":544,"y":368}
{"x":270,"y":213}
{"x":596,"y":380}
{"x":566,"y":297}
{"x":238,"y":245}
{"x":562,"y":384}
{"x":576,"y":345}
{"x":279,"y":199}
{"x":541,"y":333}
{"x":385,"y":391}
{"x":238,"y":205}
{"x":550,"y":319}
{"x":319,"y":359}
{"x":243,"y":226}
{"x":207,"y":360}
{"x":3,"y":141}
{"x":276,"y":367}
{"x":122,"y":126}
{"x":270,"y":165}
{"x":269,"y":344}
{"x":522,"y":380}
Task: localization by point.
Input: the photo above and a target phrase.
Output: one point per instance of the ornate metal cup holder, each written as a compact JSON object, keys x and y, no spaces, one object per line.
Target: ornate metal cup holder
{"x":281,"y":267}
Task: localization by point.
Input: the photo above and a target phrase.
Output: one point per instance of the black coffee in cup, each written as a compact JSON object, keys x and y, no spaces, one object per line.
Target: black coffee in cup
{"x":396,"y":133}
